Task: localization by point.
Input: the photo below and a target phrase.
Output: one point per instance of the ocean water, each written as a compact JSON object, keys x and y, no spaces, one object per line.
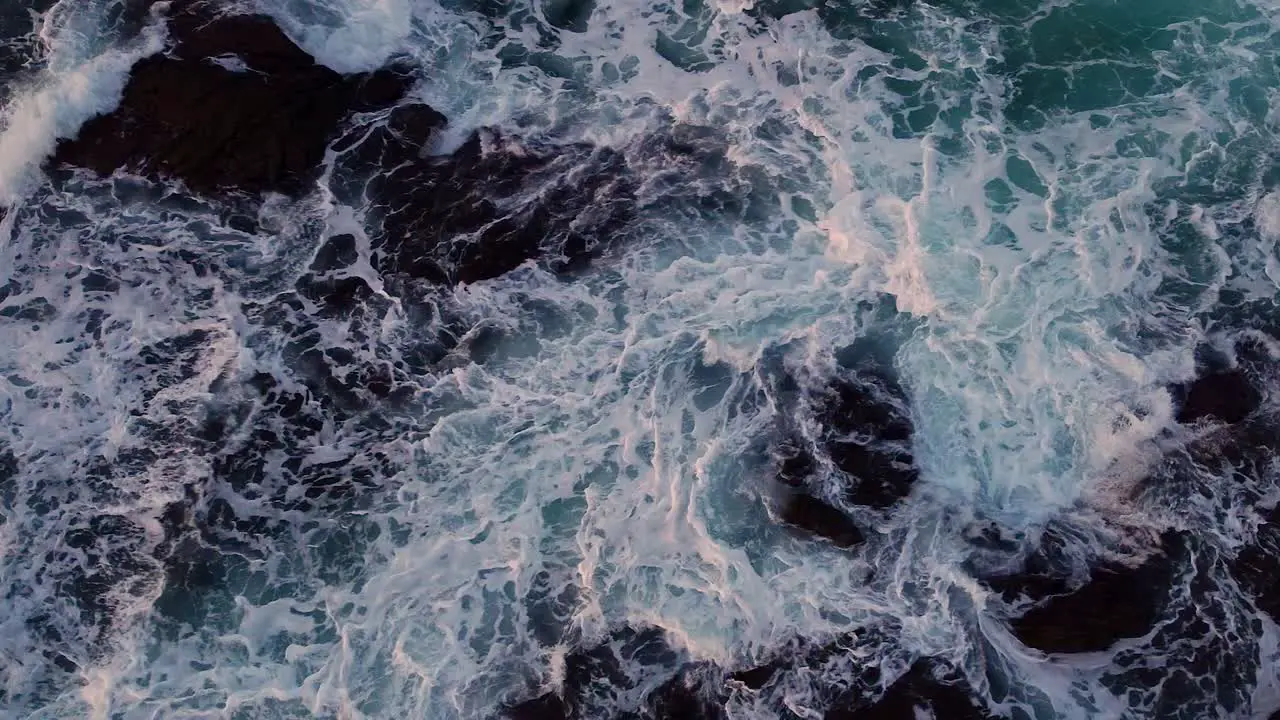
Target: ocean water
{"x":1031,"y":212}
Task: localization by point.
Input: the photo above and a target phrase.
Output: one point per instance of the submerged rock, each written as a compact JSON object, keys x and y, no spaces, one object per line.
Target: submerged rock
{"x":865,"y":434}
{"x":616,"y":680}
{"x":1003,"y":563}
{"x":868,"y":434}
{"x":821,"y":519}
{"x":927,"y":690}
{"x":1228,"y":396}
{"x":232,"y":104}
{"x":596,"y":680}
{"x":483,"y":210}
{"x":1257,"y":566}
{"x":855,"y":435}
{"x":1115,"y":603}
{"x":1233,"y":372}
{"x":1235,"y":462}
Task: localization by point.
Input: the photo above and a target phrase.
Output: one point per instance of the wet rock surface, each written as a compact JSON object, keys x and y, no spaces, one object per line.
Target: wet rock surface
{"x":601,"y":682}
{"x":864,"y":433}
{"x":1230,"y":385}
{"x":1257,"y":565}
{"x":1236,"y":460}
{"x":927,"y":689}
{"x":597,"y":678}
{"x":1026,"y":577}
{"x":868,"y":431}
{"x":231,"y":105}
{"x":821,"y":519}
{"x":1227,"y":396}
{"x":1116,"y":602}
{"x":483,"y":210}
{"x":848,"y":446}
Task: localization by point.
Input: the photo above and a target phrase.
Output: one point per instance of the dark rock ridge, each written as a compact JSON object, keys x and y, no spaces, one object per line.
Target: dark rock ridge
{"x":821,"y":519}
{"x":232,"y":104}
{"x":1230,"y":392}
{"x":859,"y":428}
{"x":1228,"y":396}
{"x":596,"y":680}
{"x":928,"y":689}
{"x":1116,"y":601}
{"x":1229,"y":385}
{"x":483,"y":210}
{"x":1002,"y":562}
{"x":597,"y":684}
{"x":868,"y":435}
{"x":1257,"y":566}
{"x":865,"y":433}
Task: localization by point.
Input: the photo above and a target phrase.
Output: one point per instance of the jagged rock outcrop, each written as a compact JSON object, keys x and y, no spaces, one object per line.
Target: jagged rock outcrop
{"x":232,"y":104}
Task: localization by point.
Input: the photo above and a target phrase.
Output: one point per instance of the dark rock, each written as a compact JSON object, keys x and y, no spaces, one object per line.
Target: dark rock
{"x":1045,"y":571}
{"x":1117,"y":602}
{"x":335,"y":297}
{"x":869,"y":430}
{"x":95,"y":281}
{"x":549,"y":706}
{"x":757,"y":677}
{"x":595,"y":677}
{"x":1257,"y":565}
{"x":232,"y":105}
{"x":795,"y":464}
{"x":597,"y":685}
{"x":569,"y":15}
{"x":845,"y":444}
{"x":821,"y":519}
{"x":1228,"y":396}
{"x":693,"y":694}
{"x":110,"y":560}
{"x":860,"y":427}
{"x":337,"y":252}
{"x":926,"y":690}
{"x":485,"y":209}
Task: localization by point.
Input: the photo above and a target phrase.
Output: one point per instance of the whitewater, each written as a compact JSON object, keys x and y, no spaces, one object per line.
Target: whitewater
{"x":1034,"y":214}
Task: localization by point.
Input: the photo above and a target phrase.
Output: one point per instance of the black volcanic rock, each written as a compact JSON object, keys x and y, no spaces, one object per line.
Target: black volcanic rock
{"x":1257,"y":566}
{"x":595,"y":676}
{"x":488,"y":207}
{"x":1044,"y":571}
{"x":821,"y":519}
{"x":929,"y":688}
{"x":865,"y":433}
{"x":859,"y":427}
{"x":233,"y":104}
{"x":693,"y":694}
{"x":597,"y":684}
{"x":549,"y":706}
{"x":926,"y":690}
{"x":1228,"y":396}
{"x":1117,"y":602}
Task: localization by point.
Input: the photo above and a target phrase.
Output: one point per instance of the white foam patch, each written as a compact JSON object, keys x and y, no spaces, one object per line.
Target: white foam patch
{"x":1268,"y":216}
{"x":347,"y":36}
